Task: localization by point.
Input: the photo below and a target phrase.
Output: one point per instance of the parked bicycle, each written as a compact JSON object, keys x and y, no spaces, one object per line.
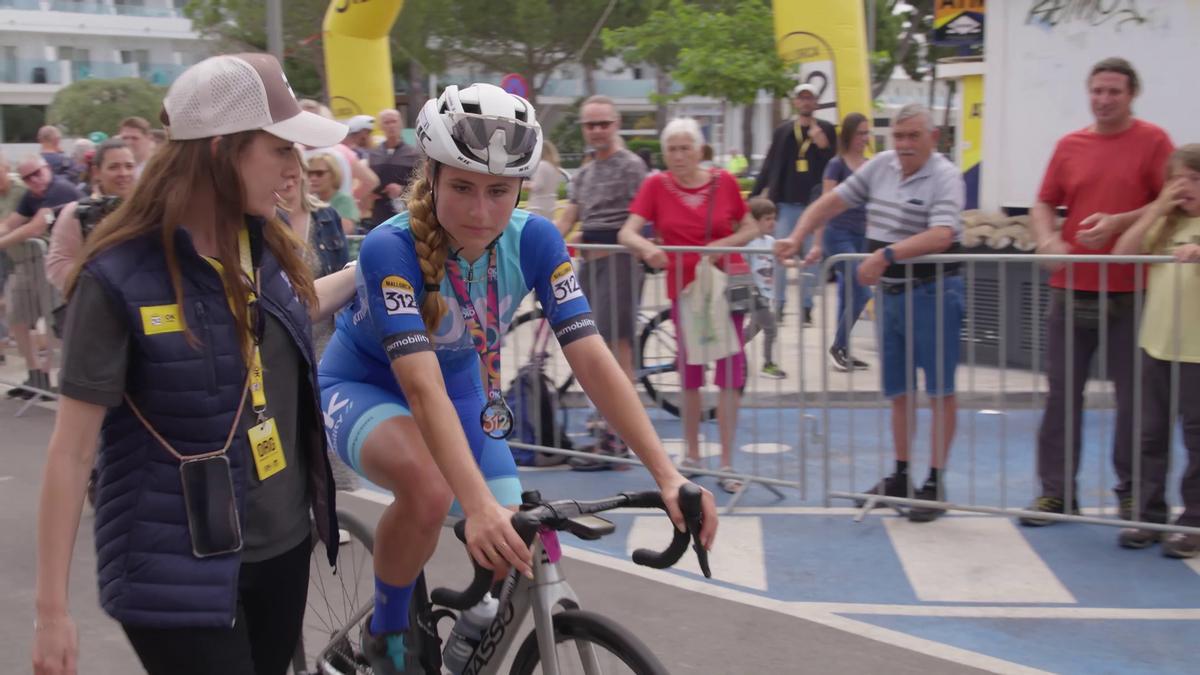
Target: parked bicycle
{"x":654,"y":359}
{"x":565,"y":638}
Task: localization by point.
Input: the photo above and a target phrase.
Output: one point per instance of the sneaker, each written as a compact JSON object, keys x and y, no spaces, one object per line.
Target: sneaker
{"x":895,"y":485}
{"x":687,"y":467}
{"x":773,"y":371}
{"x":1181,"y":545}
{"x":1137,"y":538}
{"x":388,"y":654}
{"x":610,"y":446}
{"x":858,"y":365}
{"x":925,"y":514}
{"x":808,"y":320}
{"x":839,"y":359}
{"x":1125,"y":508}
{"x":1045,"y":505}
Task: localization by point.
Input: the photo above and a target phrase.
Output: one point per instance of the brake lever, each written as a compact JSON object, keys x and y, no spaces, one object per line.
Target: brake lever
{"x":690,"y":504}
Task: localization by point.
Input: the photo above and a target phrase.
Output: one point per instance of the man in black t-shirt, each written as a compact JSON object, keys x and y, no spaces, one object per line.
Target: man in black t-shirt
{"x":393,"y":161}
{"x":28,"y":294}
{"x":792,"y":174}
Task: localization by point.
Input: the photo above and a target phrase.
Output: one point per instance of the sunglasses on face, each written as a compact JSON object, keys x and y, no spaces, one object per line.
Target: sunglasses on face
{"x":602,"y":124}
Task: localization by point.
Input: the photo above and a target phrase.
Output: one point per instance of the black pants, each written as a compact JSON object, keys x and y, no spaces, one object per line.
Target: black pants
{"x":1157,"y":439}
{"x":1054,"y":469}
{"x":271,"y":599}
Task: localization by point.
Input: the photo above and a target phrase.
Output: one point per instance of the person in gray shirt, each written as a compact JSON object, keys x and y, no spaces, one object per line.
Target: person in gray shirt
{"x":599,"y":198}
{"x":914,"y":200}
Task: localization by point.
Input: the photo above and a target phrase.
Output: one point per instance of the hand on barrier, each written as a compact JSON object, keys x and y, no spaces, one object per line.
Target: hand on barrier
{"x":785,"y":248}
{"x":815,"y":255}
{"x":656,"y":258}
{"x":1187,"y":253}
{"x":872,"y":268}
{"x":1053,"y":245}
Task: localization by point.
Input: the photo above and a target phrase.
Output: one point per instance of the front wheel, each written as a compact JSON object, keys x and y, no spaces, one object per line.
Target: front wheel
{"x":592,"y":644}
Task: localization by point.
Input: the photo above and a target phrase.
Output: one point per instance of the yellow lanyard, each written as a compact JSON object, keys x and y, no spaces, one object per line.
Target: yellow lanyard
{"x":266,"y":447}
{"x":804,"y":141}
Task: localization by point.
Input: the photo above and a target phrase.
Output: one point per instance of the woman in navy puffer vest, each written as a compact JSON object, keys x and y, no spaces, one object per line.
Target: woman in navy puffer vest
{"x":193,"y":278}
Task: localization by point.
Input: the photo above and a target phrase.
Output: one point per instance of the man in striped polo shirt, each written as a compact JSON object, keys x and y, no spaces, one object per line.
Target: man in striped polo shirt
{"x":914,"y":200}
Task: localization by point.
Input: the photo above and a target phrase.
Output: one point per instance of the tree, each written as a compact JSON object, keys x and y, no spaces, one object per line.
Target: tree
{"x":531,"y":37}
{"x":99,"y":105}
{"x":241,"y":25}
{"x":724,"y":50}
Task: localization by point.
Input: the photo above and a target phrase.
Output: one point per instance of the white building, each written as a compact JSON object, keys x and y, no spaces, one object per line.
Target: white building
{"x":48,"y":44}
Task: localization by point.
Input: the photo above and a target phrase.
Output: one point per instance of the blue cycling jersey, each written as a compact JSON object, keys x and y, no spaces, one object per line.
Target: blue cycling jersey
{"x":384,"y":321}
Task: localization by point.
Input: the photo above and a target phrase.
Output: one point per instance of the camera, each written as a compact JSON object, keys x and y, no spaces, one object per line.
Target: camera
{"x":91,"y":211}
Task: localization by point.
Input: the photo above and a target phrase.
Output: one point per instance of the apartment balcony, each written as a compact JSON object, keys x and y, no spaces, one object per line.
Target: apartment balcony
{"x":638,"y":90}
{"x":64,"y":17}
{"x":35,"y":82}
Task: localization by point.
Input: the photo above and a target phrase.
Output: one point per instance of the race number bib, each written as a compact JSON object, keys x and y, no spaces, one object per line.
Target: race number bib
{"x":565,"y":285}
{"x":398,"y":296}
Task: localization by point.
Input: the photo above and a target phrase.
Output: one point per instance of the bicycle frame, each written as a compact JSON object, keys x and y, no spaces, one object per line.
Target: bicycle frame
{"x":519,"y":596}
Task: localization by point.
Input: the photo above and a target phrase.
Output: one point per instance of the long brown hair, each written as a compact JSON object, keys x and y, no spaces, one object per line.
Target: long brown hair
{"x":850,"y":125}
{"x":1185,"y":156}
{"x":430,"y":240}
{"x":174,"y":178}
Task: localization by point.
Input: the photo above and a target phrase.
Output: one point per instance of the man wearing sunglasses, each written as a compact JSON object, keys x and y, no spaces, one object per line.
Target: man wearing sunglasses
{"x":23,"y":235}
{"x":600,"y":194}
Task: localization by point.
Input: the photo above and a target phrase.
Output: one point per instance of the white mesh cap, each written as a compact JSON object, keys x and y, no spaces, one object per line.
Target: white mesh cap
{"x":242,"y":92}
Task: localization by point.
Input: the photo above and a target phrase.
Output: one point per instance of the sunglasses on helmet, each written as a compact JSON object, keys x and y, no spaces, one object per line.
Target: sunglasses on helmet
{"x":476,"y":132}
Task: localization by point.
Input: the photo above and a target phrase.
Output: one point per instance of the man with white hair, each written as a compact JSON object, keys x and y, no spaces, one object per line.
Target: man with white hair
{"x":792,"y":175}
{"x":359,"y":138}
{"x":914,"y":200}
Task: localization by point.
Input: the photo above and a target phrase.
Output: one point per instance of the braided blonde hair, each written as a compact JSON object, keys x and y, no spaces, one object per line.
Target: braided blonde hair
{"x":430,"y":240}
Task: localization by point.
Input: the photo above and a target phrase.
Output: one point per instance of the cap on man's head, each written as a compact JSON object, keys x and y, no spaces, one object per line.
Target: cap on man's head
{"x":360,"y":123}
{"x":803,"y":87}
{"x":231,"y":93}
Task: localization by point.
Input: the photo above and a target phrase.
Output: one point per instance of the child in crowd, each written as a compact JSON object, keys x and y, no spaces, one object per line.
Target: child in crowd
{"x":762,"y":268}
{"x":1170,"y":332}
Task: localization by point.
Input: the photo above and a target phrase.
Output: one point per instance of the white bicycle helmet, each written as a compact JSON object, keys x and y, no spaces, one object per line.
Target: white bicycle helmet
{"x":481,"y":128}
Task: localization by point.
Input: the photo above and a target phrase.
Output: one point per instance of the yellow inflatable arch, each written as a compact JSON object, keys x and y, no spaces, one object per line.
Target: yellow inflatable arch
{"x":825,"y":39}
{"x":358,"y":60}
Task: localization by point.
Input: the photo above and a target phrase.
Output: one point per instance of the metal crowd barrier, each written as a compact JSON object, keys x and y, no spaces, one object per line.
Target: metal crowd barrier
{"x":774,"y":431}
{"x":26,"y":323}
{"x":986,"y":476}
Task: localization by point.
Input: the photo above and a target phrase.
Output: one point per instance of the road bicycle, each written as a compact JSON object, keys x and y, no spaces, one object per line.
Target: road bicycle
{"x":565,"y":638}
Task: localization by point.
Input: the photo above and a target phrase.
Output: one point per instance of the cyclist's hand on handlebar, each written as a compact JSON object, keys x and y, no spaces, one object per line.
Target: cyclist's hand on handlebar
{"x":708,"y":507}
{"x":494,"y":543}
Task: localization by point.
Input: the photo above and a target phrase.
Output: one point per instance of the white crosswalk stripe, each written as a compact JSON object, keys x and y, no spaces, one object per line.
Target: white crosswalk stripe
{"x":973,"y":560}
{"x":737,"y":558}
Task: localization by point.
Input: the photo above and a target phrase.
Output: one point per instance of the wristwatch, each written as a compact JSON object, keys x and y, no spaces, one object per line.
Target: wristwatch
{"x":889,"y":255}
{"x":49,"y":217}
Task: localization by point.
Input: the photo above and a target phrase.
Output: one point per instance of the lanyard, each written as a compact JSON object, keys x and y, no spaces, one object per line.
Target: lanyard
{"x":804,"y":141}
{"x":496,"y":417}
{"x":258,"y":392}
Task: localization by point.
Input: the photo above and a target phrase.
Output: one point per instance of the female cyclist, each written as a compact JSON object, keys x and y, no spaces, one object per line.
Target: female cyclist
{"x":406,"y":401}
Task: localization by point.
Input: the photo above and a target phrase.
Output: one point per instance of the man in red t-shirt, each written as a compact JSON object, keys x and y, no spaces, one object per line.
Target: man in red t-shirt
{"x":1104,"y":174}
